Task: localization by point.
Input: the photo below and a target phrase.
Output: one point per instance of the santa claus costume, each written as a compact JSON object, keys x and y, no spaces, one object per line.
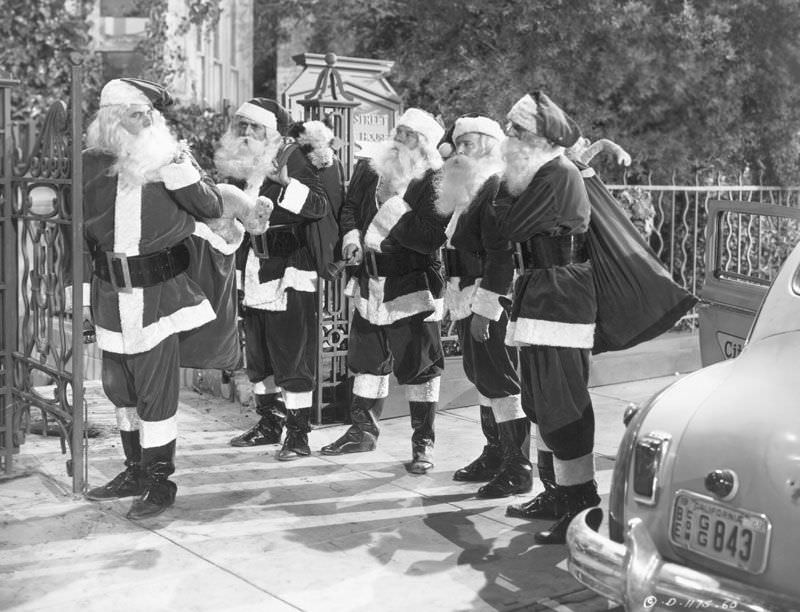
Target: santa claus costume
{"x":141,"y":201}
{"x":479,"y":267}
{"x":397,"y":289}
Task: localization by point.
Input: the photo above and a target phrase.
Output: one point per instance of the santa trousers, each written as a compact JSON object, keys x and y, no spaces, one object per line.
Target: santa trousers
{"x":283,"y":343}
{"x":144,"y":388}
{"x":555,"y":396}
{"x":491,"y":365}
{"x":411,"y":348}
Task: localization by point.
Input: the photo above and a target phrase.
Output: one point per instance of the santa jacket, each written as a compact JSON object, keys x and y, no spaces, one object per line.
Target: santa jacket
{"x":553,"y":306}
{"x":300,"y":202}
{"x":477,"y":233}
{"x":129,"y":219}
{"x":402,"y":225}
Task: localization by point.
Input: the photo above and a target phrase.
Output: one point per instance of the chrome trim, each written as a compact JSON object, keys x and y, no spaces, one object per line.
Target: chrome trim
{"x":635,"y":575}
{"x":663,"y":440}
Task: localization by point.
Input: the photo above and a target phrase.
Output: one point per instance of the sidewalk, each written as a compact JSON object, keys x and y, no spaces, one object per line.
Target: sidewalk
{"x":321,"y":534}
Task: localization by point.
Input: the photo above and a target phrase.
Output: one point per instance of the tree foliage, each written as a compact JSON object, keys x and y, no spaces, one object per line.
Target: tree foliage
{"x":682,"y":85}
{"x":37,"y":40}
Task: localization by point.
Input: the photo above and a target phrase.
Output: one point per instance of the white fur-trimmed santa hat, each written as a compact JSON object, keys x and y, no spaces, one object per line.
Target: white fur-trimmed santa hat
{"x":477,"y":125}
{"x":423,"y":123}
{"x":127,"y":91}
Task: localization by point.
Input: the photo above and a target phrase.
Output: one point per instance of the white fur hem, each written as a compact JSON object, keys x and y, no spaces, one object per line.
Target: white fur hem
{"x":352,"y":237}
{"x":507,"y":408}
{"x":178,"y":176}
{"x":483,"y":400}
{"x":201,"y":230}
{"x":458,"y":301}
{"x":158,"y":433}
{"x":294,"y":197}
{"x":523,"y":332}
{"x":382,"y":223}
{"x":297,"y":400}
{"x":265,"y":387}
{"x":487,"y":303}
{"x":272,"y":294}
{"x":371,"y":386}
{"x":424,"y":392}
{"x":127,"y":419}
{"x":378,"y":312}
{"x":574,"y":471}
{"x":137,"y":339}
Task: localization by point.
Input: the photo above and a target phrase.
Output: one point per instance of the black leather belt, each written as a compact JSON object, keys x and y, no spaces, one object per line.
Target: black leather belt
{"x":125,"y":273}
{"x":278,"y":241}
{"x":550,"y":251}
{"x":394,"y":264}
{"x":460,"y":263}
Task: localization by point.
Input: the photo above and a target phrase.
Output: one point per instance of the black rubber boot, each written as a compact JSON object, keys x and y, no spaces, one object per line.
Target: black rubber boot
{"x":128,"y":483}
{"x":487,"y":465}
{"x":158,"y":464}
{"x":516,"y":474}
{"x":295,"y":446}
{"x":362,"y":435}
{"x":548,"y":504}
{"x":423,"y":415}
{"x":576,"y":498}
{"x":268,"y":430}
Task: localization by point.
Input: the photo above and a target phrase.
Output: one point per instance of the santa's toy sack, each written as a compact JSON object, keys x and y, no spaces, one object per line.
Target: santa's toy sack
{"x":637,"y":299}
{"x":214,"y":345}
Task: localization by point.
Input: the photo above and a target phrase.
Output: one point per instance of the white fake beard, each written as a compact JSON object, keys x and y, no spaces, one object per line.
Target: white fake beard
{"x":398,"y":165}
{"x":240,"y":157}
{"x":141,"y":156}
{"x":522,"y":162}
{"x":460,"y":180}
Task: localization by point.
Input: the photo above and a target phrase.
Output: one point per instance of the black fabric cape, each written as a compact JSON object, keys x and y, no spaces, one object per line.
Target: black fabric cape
{"x":637,"y":299}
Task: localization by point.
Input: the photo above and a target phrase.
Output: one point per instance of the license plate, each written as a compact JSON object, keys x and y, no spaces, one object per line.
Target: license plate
{"x":728,"y":535}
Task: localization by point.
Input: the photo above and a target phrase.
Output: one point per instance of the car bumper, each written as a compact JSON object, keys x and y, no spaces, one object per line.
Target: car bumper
{"x":635,"y":575}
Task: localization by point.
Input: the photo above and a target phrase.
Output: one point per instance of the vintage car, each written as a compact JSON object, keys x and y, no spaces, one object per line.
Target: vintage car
{"x":704,"y":508}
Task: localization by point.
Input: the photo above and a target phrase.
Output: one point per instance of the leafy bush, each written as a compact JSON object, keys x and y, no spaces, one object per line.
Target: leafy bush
{"x":201,"y":128}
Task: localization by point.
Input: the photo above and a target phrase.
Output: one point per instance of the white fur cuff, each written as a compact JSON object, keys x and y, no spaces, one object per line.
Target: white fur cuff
{"x":265,"y":387}
{"x":158,"y":433}
{"x":574,"y":471}
{"x":297,"y":400}
{"x":127,"y":419}
{"x":371,"y":386}
{"x":387,"y":217}
{"x":424,"y":392}
{"x":352,"y":237}
{"x":507,"y":408}
{"x":294,"y":197}
{"x":487,"y":303}
{"x":177,"y":176}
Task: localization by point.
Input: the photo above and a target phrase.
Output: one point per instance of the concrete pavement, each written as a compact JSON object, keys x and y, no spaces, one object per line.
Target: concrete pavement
{"x":250,"y":533}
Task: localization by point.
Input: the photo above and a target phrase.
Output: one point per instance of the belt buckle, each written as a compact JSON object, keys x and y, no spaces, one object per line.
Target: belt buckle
{"x":127,"y":287}
{"x":370,"y":264}
{"x":259,"y":244}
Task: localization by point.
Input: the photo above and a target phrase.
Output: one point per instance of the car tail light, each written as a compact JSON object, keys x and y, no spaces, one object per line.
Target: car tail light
{"x":648,"y":455}
{"x":633,"y":420}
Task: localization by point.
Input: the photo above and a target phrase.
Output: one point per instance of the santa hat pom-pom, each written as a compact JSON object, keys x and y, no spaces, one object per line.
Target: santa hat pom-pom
{"x":445,"y":150}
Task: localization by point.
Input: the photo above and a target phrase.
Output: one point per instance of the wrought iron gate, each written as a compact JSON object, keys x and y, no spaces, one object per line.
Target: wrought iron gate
{"x":41,"y":229}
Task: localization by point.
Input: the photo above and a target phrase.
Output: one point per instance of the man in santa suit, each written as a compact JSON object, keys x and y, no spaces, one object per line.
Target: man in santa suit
{"x":280,"y":280}
{"x":392,"y":231}
{"x":142,"y":194}
{"x":543,"y":206}
{"x":479,"y":266}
